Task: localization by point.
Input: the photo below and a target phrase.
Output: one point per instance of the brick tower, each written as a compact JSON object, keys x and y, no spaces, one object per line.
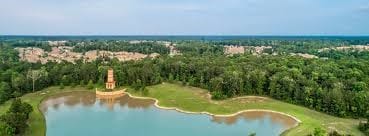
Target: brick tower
{"x":110,"y":84}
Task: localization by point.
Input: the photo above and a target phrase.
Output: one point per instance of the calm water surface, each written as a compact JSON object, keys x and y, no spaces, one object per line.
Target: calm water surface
{"x":82,"y":114}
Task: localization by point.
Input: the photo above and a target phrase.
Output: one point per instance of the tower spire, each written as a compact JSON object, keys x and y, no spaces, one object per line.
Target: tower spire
{"x":110,"y":83}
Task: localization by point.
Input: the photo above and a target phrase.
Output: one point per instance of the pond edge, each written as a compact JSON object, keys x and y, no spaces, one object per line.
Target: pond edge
{"x":156,"y":104}
{"x":217,"y":115}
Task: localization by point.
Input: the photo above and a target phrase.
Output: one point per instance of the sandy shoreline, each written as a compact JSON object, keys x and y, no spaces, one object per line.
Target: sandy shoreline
{"x":217,"y":115}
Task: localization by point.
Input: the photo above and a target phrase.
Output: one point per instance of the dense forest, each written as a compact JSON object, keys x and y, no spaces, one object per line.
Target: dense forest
{"x":113,"y":45}
{"x":338,"y":86}
{"x":88,"y":45}
{"x":29,"y":43}
{"x":334,"y":54}
{"x":199,"y":48}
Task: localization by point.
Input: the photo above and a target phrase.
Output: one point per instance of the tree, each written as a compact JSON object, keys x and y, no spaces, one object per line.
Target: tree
{"x":90,"y":85}
{"x":73,"y":85}
{"x":27,"y":109}
{"x":82,"y":83}
{"x":216,"y":84}
{"x":5,"y":92}
{"x":17,"y":82}
{"x":359,"y":86}
{"x":65,"y":80}
{"x":137,"y":85}
{"x":158,"y":78}
{"x":100,"y":82}
{"x":16,"y":106}
{"x":18,"y":121}
{"x":257,"y":79}
{"x":15,"y":119}
{"x":61,"y":86}
{"x":171,"y":78}
{"x":35,"y":75}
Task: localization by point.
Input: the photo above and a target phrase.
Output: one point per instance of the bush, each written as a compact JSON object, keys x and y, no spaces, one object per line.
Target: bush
{"x":100,"y":82}
{"x":217,"y":95}
{"x":82,"y":83}
{"x":90,"y":85}
{"x":73,"y":85}
{"x":319,"y":132}
{"x":364,"y":127}
{"x":137,"y":85}
{"x":145,"y":91}
{"x":61,"y":86}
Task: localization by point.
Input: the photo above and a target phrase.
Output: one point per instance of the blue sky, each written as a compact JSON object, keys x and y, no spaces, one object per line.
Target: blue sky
{"x":184,"y":17}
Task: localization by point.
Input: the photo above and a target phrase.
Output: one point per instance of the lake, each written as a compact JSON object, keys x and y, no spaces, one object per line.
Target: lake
{"x":82,"y":114}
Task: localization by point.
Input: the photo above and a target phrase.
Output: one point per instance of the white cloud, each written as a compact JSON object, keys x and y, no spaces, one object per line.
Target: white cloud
{"x":364,"y":8}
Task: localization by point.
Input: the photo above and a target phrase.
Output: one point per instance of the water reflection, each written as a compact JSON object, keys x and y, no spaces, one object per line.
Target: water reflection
{"x":89,"y":99}
{"x":255,"y":115}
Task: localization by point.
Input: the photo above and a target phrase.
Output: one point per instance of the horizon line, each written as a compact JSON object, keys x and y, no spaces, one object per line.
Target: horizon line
{"x":205,"y":35}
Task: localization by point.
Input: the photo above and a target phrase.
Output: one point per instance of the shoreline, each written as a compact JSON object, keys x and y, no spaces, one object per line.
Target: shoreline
{"x":156,"y":104}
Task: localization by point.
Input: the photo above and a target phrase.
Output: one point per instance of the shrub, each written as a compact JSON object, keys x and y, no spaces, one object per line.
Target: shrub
{"x":90,"y":85}
{"x":61,"y":86}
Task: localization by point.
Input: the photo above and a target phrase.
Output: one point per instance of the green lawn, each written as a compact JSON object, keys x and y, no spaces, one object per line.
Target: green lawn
{"x":195,"y":99}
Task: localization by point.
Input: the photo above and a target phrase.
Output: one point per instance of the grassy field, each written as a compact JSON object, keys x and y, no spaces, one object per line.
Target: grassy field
{"x":197,"y":100}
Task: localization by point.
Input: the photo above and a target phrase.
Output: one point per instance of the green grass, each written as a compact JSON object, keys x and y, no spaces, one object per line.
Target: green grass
{"x":195,"y":99}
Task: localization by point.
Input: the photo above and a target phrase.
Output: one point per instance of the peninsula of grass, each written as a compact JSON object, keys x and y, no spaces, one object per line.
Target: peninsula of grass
{"x":196,"y":100}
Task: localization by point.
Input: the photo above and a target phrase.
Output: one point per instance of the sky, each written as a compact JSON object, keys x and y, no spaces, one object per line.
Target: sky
{"x":184,"y":17}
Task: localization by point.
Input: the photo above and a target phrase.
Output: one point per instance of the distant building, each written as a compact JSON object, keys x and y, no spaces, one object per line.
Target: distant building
{"x":110,"y":84}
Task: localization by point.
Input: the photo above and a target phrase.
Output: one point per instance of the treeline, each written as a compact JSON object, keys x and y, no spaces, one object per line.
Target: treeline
{"x":28,"y":43}
{"x":199,"y":48}
{"x":113,"y":45}
{"x":293,"y":41}
{"x":337,"y":87}
{"x":292,"y":45}
{"x":339,"y":54}
{"x":14,"y":121}
{"x":7,"y":54}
